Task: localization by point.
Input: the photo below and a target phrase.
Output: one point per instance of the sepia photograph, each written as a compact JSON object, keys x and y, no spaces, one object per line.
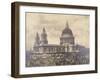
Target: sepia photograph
{"x":56,"y":39}
{"x":53,"y":39}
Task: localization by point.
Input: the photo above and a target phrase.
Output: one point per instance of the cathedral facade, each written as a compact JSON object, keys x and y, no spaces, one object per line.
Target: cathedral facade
{"x":67,"y":43}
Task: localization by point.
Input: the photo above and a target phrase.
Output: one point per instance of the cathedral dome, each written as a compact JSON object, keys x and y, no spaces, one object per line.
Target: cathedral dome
{"x":67,"y":31}
{"x":67,"y":37}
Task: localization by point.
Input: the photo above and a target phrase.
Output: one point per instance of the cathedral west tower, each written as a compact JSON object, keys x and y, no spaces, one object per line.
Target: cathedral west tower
{"x":37,"y":40}
{"x":44,"y":37}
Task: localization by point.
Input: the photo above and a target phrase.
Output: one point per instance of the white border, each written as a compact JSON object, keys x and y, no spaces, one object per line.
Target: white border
{"x":36,"y":70}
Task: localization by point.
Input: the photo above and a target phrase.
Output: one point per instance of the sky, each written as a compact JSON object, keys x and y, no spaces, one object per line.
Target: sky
{"x":54,"y":24}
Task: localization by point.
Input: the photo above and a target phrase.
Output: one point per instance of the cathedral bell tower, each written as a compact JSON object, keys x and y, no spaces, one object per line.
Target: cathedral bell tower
{"x":44,"y":37}
{"x":36,"y":43}
{"x":37,"y":40}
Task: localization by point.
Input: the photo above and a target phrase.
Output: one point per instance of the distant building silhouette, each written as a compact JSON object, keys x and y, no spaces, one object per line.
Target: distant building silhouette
{"x":67,"y":43}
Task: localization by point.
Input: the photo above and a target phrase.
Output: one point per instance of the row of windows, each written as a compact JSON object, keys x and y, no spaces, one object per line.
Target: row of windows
{"x":68,"y":41}
{"x":54,"y":49}
{"x":50,"y":49}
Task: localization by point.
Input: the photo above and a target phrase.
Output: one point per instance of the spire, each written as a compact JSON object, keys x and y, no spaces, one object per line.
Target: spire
{"x":44,"y":37}
{"x":44,"y":30}
{"x":37,"y":36}
{"x":37,"y":39}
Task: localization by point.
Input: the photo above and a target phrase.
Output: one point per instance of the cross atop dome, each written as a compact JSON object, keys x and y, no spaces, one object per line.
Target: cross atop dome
{"x":67,"y":25}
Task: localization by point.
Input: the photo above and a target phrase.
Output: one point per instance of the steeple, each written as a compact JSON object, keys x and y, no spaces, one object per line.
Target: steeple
{"x":44,"y":30}
{"x":37,"y":40}
{"x":44,"y":37}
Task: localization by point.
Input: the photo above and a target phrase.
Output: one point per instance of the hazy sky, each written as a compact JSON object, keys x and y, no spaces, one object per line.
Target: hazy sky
{"x":54,"y":24}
